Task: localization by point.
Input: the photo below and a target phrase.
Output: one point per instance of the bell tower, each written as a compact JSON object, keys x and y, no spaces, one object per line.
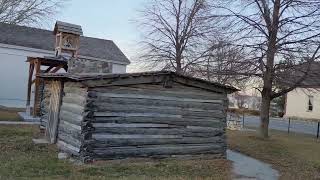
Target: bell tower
{"x":67,"y":38}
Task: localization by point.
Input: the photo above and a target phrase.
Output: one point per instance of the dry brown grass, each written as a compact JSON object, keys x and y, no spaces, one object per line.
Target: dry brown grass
{"x":10,"y":114}
{"x":296,"y":156}
{"x":20,"y":159}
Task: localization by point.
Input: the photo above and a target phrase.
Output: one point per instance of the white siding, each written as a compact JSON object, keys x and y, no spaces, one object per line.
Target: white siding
{"x":297,"y":103}
{"x":119,"y":68}
{"x":14,"y":73}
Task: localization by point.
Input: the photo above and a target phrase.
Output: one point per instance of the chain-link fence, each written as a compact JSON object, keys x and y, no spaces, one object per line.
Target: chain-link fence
{"x":288,"y":125}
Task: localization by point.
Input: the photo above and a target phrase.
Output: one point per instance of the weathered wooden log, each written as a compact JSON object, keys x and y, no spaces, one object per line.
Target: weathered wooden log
{"x":152,"y":141}
{"x":74,"y":99}
{"x":158,"y":150}
{"x":144,"y":108}
{"x":153,"y":97}
{"x":73,"y":108}
{"x":102,"y":137}
{"x":160,"y":91}
{"x":70,"y":126}
{"x":156,"y":113}
{"x":132,"y":125}
{"x":123,"y":81}
{"x":100,"y":133}
{"x":70,"y":117}
{"x":70,"y":140}
{"x":75,"y":90}
{"x":68,"y":148}
{"x":71,"y":121}
{"x":121,"y":114}
{"x":106,"y":101}
{"x":75,"y":133}
{"x":205,"y":122}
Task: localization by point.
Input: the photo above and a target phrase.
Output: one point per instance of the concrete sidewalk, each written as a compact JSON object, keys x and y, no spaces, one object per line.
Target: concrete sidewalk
{"x":245,"y":167}
{"x":18,"y":123}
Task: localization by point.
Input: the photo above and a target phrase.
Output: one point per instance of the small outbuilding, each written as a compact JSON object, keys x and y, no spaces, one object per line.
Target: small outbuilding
{"x":149,"y":114}
{"x":93,"y":114}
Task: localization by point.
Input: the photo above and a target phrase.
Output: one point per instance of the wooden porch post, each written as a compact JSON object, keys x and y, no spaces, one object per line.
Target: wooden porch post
{"x":31,"y":68}
{"x":37,"y":83}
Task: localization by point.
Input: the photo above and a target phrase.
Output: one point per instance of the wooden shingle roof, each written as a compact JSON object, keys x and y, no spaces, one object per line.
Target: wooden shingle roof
{"x":67,"y":28}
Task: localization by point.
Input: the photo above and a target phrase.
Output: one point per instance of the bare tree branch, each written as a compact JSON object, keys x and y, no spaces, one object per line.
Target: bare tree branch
{"x":177,"y":33}
{"x":278,"y":36}
{"x":26,"y":12}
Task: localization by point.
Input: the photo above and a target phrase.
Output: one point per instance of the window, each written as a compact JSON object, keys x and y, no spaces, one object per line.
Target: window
{"x":310,"y":103}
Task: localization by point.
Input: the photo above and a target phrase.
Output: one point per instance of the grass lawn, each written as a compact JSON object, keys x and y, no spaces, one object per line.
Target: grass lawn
{"x":296,"y":156}
{"x":21,"y":159}
{"x":10,"y":114}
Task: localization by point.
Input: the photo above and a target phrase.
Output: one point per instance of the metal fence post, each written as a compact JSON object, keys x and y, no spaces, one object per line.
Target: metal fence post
{"x":318,"y":130}
{"x":243,"y":119}
{"x":289,"y":125}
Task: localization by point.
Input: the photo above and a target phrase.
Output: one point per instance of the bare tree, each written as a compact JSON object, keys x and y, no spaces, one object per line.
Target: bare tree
{"x":277,"y":36}
{"x":222,"y":57}
{"x":25,"y":12}
{"x":240,"y":100}
{"x":176,"y":33}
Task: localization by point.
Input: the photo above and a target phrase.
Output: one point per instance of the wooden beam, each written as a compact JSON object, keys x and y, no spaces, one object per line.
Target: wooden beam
{"x":37,"y":83}
{"x":48,"y":69}
{"x":56,"y":69}
{"x":31,"y":69}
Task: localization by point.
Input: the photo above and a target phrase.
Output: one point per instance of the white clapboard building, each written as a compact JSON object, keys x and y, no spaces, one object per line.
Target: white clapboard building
{"x":19,"y":42}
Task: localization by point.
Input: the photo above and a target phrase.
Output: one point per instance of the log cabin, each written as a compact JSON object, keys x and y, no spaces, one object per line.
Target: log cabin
{"x":93,"y":114}
{"x":148,"y":114}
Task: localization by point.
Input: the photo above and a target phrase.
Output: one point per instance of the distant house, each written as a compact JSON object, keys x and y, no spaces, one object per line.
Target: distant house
{"x":304,"y":101}
{"x":238,"y":100}
{"x":19,"y":42}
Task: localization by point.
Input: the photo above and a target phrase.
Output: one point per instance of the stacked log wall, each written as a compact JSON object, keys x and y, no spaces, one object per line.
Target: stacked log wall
{"x":45,"y":101}
{"x":153,"y":121}
{"x":71,"y":128}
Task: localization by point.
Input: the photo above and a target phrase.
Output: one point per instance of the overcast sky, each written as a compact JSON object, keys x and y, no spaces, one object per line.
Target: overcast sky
{"x":106,"y":19}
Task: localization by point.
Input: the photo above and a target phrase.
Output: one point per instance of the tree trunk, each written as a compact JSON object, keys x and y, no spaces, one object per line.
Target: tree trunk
{"x":273,"y":27}
{"x":179,"y":66}
{"x":264,"y":115}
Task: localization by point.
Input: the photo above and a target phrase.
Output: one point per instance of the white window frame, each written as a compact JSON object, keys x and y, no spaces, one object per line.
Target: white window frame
{"x":310,"y":103}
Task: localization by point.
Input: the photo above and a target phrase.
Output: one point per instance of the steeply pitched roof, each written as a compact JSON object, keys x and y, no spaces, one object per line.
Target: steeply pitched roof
{"x":313,"y":76}
{"x":143,"y":78}
{"x":45,"y":40}
{"x":309,"y":73}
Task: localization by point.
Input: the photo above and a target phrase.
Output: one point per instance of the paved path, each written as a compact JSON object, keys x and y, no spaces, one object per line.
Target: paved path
{"x":18,"y":123}
{"x":245,"y":167}
{"x":282,"y":125}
